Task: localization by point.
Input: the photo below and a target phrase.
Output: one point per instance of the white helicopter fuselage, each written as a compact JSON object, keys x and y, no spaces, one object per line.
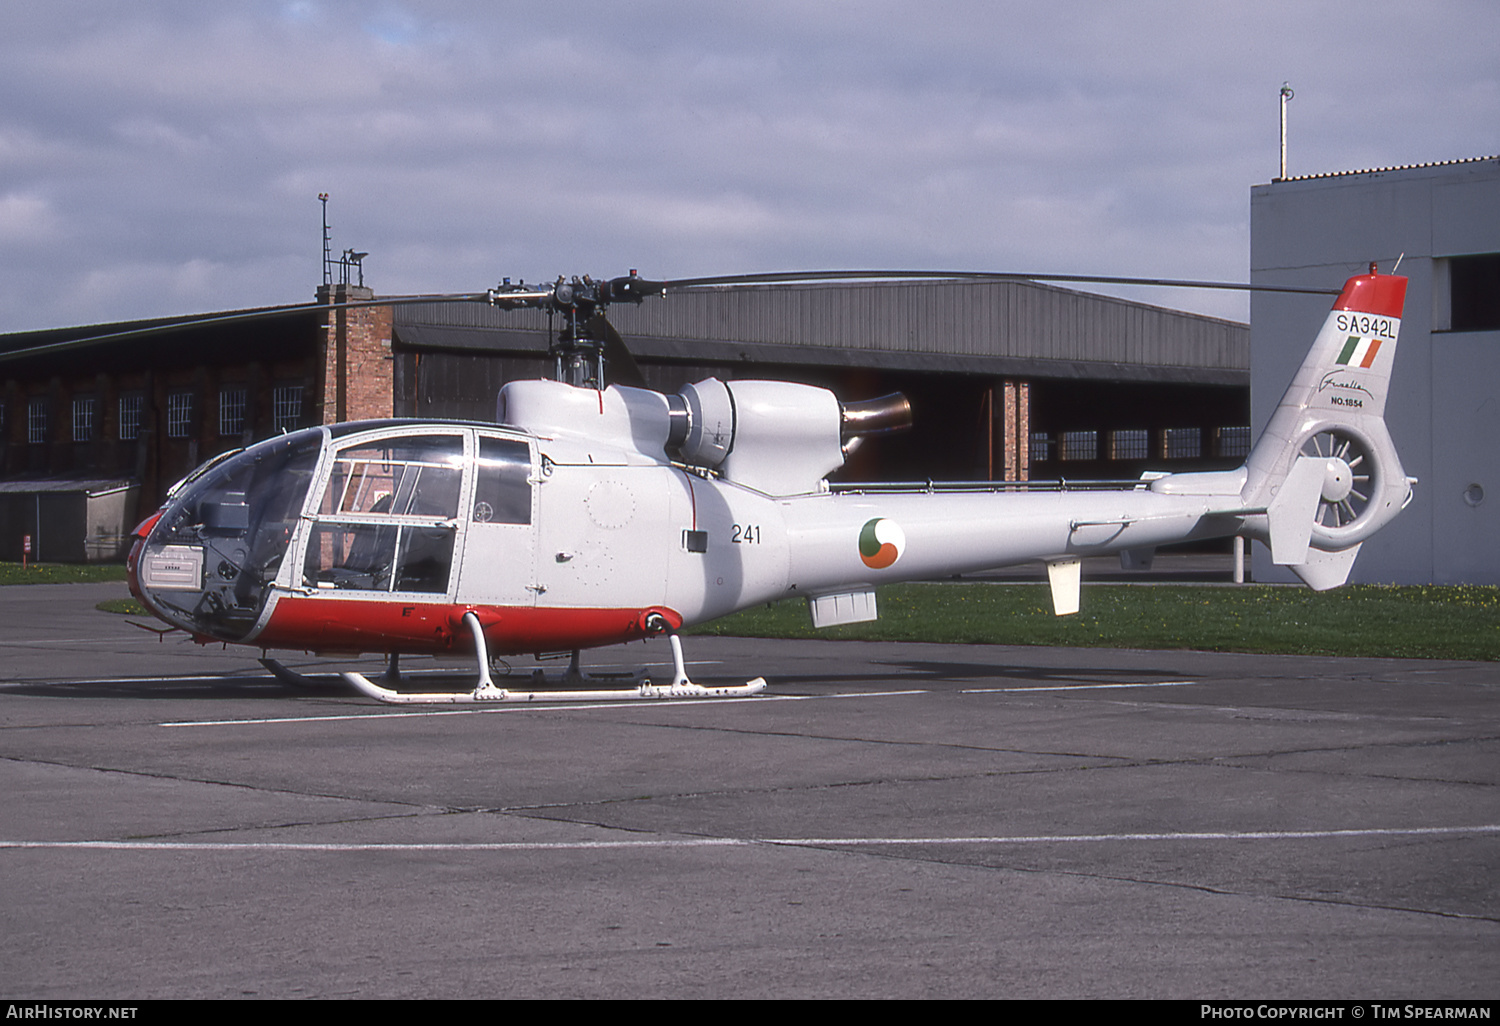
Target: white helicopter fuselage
{"x":707,"y":547}
{"x":585,"y":517}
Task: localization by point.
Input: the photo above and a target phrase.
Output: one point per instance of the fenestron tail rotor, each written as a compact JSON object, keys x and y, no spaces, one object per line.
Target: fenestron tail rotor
{"x":1351,"y":483}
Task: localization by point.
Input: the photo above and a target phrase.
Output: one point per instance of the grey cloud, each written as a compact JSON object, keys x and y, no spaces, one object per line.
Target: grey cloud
{"x":160,"y":157}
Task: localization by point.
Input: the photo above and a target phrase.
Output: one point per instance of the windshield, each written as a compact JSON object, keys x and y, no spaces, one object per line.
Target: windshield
{"x":210,"y":560}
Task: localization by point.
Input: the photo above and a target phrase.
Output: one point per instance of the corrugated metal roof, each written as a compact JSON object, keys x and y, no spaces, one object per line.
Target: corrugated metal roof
{"x":999,"y":327}
{"x":1394,"y":167}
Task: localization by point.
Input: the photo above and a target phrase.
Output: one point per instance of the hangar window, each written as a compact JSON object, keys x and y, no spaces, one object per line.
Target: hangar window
{"x":231,"y":412}
{"x":1079,"y":445}
{"x":36,"y":421}
{"x":1232,"y":442}
{"x":286,"y":407}
{"x":1130,"y":444}
{"x":1181,"y":444}
{"x":179,"y":414}
{"x":130,"y":418}
{"x":83,"y":419}
{"x":1474,"y":292}
{"x":1041,"y":447}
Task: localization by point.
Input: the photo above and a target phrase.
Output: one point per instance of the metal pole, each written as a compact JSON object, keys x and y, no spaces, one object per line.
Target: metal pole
{"x":1286,"y":94}
{"x":327,"y":253}
{"x":1239,"y":559}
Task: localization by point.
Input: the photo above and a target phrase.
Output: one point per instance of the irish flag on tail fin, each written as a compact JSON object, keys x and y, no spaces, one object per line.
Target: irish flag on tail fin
{"x":1358,"y":351}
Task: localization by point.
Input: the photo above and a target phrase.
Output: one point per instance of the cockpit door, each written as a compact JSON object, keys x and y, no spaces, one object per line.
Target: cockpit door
{"x":387,"y":517}
{"x":499,"y":560}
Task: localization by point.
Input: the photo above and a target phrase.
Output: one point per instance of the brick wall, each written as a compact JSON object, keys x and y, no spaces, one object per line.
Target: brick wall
{"x":355,"y":358}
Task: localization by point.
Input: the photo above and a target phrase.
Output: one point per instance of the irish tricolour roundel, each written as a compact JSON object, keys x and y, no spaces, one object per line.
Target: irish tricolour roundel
{"x":880,"y":543}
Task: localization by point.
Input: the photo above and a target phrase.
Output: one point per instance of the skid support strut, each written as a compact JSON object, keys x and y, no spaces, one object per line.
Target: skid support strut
{"x":485,"y":690}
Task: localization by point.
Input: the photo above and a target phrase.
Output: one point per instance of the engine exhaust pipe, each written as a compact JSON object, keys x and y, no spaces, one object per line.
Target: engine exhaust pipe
{"x":875,"y":416}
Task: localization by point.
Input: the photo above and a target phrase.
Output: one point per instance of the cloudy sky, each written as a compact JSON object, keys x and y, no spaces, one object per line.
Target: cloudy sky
{"x":162,"y":157}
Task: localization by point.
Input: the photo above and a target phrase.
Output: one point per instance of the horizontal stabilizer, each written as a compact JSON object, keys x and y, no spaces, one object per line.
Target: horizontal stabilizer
{"x":1325,"y":570}
{"x":1290,"y":514}
{"x":845,"y":607}
{"x":1066,"y":578}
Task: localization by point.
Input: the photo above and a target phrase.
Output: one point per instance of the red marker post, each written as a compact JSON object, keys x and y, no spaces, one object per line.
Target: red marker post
{"x":25,"y":549}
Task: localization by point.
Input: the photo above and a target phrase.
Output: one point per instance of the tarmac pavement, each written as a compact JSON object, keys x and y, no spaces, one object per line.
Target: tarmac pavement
{"x":887,"y":820}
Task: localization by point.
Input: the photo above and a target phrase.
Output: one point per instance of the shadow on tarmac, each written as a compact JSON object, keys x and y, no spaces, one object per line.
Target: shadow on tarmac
{"x":265,"y":686}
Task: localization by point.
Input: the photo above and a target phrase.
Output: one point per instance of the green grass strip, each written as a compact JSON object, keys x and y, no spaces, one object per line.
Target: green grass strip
{"x":60,"y":573}
{"x":1419,"y":621}
{"x":1404,"y":621}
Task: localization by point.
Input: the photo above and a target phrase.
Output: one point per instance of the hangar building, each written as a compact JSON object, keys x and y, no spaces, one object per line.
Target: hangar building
{"x":1008,"y":381}
{"x":1442,"y":221}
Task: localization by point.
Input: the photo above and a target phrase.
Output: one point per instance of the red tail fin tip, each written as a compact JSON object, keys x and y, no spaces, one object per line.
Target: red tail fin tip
{"x":1381,"y":294}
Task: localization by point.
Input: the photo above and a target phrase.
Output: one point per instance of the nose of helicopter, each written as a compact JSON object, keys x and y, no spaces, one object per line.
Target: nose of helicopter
{"x":207,"y":561}
{"x":133,"y":560}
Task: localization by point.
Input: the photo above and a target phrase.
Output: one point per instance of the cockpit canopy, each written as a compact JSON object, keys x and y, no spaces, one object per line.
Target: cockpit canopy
{"x":358,"y":508}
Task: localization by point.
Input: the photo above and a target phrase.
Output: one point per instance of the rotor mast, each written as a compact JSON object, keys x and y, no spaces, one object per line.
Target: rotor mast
{"x":587,"y":352}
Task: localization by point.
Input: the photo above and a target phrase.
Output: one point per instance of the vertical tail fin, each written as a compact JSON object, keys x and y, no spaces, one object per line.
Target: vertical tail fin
{"x":1326,"y":460}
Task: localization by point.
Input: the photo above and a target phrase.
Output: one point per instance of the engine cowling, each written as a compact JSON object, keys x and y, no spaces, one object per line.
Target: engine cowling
{"x":776,"y":436}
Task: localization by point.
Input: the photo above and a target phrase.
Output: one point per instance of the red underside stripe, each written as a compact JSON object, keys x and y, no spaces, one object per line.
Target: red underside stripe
{"x":358,"y":625}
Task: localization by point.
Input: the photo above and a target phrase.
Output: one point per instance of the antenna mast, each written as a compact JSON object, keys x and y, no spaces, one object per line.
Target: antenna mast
{"x":1286,"y":94}
{"x":327,"y":250}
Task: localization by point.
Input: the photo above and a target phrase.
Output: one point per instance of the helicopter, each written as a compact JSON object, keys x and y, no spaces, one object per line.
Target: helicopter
{"x":594,"y":510}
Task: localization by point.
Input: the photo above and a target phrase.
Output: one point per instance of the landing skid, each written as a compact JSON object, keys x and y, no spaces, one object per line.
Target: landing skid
{"x":490,"y":694}
{"x":485,"y":690}
{"x":298,"y":680}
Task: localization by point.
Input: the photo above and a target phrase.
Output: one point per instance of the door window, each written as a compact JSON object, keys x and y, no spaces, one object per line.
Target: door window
{"x":502,"y":488}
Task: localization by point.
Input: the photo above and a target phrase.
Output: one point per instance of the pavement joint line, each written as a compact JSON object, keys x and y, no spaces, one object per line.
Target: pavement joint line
{"x":734,"y":842}
{"x":1082,"y":687}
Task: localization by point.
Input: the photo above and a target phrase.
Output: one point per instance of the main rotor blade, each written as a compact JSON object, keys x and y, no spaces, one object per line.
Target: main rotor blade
{"x":622,"y":366}
{"x":190,"y":322}
{"x":641,"y":287}
{"x":798,"y":277}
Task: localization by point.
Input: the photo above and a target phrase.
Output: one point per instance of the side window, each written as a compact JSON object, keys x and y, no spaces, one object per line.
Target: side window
{"x":502,"y":491}
{"x":358,"y":556}
{"x":417,"y":477}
